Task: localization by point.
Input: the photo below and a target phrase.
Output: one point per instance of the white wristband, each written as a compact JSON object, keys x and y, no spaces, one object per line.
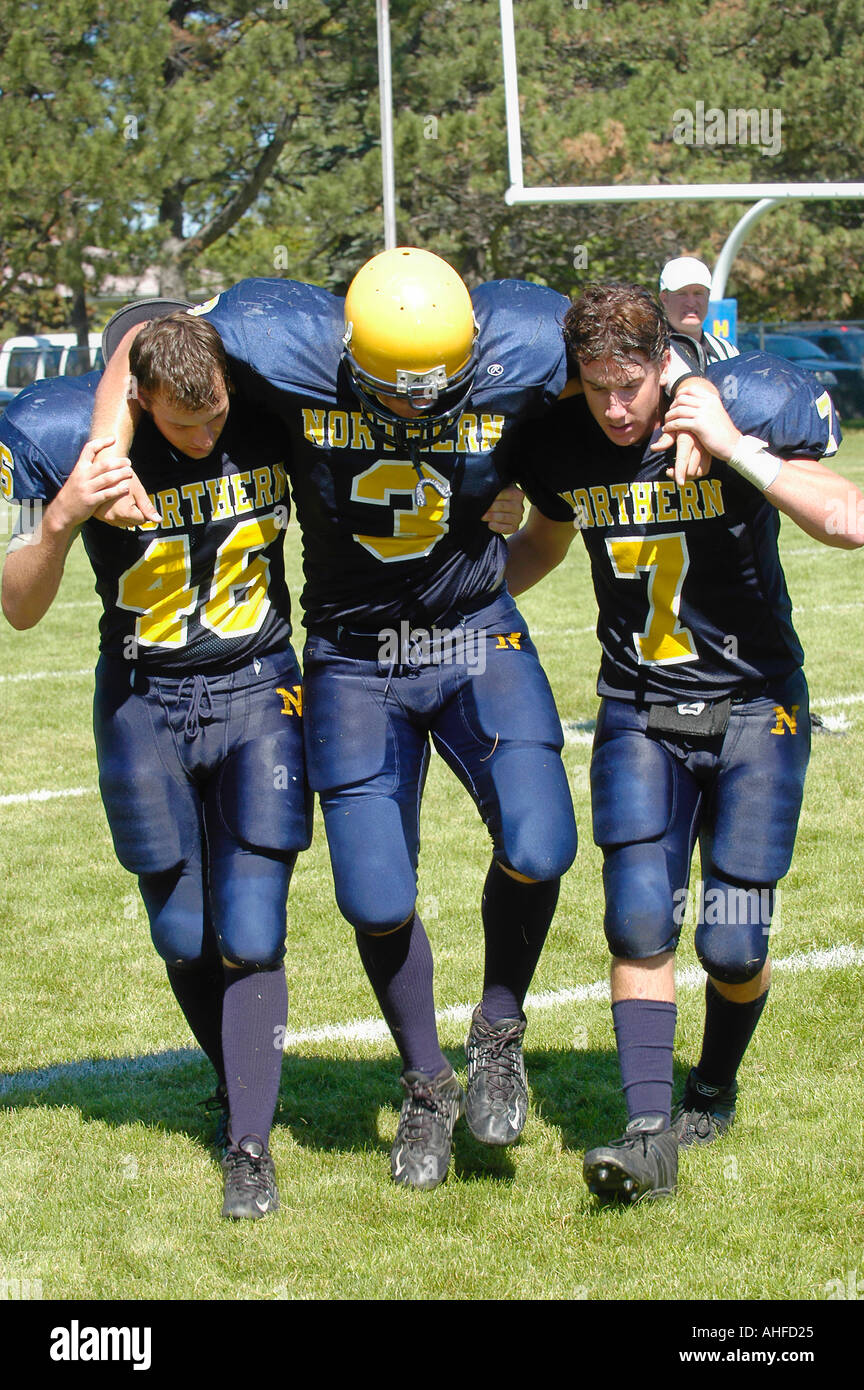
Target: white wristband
{"x":751,"y":459}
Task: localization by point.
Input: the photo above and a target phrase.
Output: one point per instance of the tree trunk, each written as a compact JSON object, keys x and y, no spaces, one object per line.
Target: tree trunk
{"x":80,"y":317}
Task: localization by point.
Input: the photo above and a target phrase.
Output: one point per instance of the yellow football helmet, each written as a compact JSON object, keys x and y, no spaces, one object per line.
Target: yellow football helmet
{"x":410,"y":333}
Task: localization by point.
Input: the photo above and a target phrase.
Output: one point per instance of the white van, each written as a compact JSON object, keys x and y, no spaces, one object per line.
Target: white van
{"x":31,"y":358}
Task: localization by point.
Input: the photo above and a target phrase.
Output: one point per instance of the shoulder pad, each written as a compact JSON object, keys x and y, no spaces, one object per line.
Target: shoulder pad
{"x":520,"y":332}
{"x":779,"y":402}
{"x":288,"y":332}
{"x":42,"y":433}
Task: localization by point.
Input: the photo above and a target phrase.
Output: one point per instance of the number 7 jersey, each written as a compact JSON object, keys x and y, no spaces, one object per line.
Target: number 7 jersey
{"x":691,"y":593}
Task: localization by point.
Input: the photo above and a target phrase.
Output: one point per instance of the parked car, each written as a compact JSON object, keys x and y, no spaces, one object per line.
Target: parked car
{"x":842,"y":378}
{"x":30,"y":358}
{"x":844,"y":343}
{"x":6,"y":395}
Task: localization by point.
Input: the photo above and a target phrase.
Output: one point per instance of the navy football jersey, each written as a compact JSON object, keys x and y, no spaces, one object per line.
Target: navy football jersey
{"x":204,"y":590}
{"x":691,"y":594}
{"x":371,"y":554}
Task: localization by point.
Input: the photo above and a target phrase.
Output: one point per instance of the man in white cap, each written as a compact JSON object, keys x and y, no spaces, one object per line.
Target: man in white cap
{"x":685,"y":284}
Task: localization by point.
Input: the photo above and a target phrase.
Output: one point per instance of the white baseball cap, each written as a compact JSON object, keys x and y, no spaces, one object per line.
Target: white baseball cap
{"x":684,"y":270}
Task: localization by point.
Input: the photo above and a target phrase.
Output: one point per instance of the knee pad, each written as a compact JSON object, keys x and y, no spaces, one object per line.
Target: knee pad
{"x":537,"y":835}
{"x":249,"y":893}
{"x":179,"y":922}
{"x":373,"y":852}
{"x":731,"y":938}
{"x":376,"y":914}
{"x":642,"y":915}
{"x":254,"y":957}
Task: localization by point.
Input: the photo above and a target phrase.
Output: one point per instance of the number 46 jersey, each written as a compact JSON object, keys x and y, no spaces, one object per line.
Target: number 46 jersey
{"x":204,"y":590}
{"x":692,"y":597}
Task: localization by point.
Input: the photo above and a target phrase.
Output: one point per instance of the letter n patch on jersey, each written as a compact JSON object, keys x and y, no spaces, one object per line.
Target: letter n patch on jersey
{"x":785,"y":720}
{"x":292,"y":700}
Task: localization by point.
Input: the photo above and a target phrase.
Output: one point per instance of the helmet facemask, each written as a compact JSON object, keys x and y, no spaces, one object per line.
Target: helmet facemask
{"x":410,"y":337}
{"x":439,"y":399}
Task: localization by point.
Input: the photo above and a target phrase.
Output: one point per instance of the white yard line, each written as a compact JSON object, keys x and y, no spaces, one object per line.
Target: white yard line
{"x":829,"y":701}
{"x":811,"y":550}
{"x":16,"y":798}
{"x":369,"y":1029}
{"x":46,"y":676}
{"x":844,"y":957}
{"x":828,"y":607}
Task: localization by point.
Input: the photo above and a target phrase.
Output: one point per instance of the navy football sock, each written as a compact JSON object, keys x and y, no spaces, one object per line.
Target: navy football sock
{"x":253,"y":1023}
{"x":645,"y":1033}
{"x":199,"y":994}
{"x":400,"y":971}
{"x":516,"y":921}
{"x":728,"y":1030}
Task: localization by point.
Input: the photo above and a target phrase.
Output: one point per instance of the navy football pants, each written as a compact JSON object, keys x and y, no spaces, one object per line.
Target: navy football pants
{"x":490,"y":714}
{"x":740,"y":794}
{"x":203,"y":785}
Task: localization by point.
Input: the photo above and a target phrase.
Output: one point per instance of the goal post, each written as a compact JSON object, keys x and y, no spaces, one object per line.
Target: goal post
{"x":630,"y":193}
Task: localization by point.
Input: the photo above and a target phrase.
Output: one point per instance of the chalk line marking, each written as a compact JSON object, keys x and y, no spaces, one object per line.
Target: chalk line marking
{"x":843,"y":957}
{"x":46,"y":676}
{"x":17,"y":798}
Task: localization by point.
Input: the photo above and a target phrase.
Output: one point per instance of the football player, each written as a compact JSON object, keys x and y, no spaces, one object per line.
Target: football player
{"x":703,"y":728}
{"x":395,"y":401}
{"x":197,"y":708}
{"x":685,"y":286}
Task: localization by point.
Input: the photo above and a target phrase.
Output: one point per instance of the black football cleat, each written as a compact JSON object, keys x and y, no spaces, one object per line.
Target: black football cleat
{"x":496,"y":1102}
{"x":250,"y":1181}
{"x":421,"y":1152}
{"x":641,"y":1165}
{"x":704,"y":1113}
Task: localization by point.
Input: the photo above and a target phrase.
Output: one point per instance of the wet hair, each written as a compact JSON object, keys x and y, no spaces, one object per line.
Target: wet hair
{"x":616,"y":321}
{"x":180,"y":358}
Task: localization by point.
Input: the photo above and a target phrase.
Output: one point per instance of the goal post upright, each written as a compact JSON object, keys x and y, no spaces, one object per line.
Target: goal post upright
{"x":766,"y":195}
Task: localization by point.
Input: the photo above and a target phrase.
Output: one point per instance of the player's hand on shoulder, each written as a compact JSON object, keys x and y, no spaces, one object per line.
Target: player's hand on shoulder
{"x":505,"y":514}
{"x":132,"y":508}
{"x":96,"y":479}
{"x":122,"y":499}
{"x":702,"y":415}
{"x":692,"y":458}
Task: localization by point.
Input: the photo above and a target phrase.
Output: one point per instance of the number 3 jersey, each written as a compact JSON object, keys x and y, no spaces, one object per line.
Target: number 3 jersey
{"x":691,"y":594}
{"x":371,"y":553}
{"x":204,"y":590}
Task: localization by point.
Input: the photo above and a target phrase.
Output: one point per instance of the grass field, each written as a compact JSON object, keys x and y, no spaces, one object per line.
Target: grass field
{"x":108,"y":1189}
